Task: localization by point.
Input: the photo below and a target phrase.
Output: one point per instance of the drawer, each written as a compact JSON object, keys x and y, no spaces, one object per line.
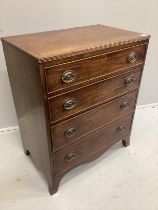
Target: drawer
{"x":66,"y":75}
{"x":82,"y":150}
{"x":74,"y":128}
{"x":83,"y":99}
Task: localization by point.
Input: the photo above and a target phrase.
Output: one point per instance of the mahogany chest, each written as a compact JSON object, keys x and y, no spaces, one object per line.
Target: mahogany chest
{"x":75,"y":92}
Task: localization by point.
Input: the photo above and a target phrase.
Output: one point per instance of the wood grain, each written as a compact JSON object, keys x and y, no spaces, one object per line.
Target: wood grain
{"x":93,"y":119}
{"x":92,"y":143}
{"x":25,"y":81}
{"x":99,"y":55}
{"x":62,"y":43}
{"x":94,"y":67}
{"x":93,"y":95}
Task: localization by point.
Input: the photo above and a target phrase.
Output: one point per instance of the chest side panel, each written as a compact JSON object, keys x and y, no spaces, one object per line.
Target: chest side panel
{"x":25,"y":81}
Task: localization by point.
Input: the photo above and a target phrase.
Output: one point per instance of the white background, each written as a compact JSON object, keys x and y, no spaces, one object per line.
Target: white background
{"x":27,"y":16}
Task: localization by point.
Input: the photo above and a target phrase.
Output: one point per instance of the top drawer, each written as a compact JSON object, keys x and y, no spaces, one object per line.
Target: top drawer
{"x":77,"y":72}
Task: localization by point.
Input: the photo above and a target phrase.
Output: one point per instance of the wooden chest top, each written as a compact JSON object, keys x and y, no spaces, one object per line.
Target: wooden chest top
{"x":58,"y":43}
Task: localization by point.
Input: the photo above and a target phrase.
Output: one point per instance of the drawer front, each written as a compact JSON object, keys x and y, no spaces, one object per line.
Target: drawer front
{"x":66,"y":75}
{"x":72,"y":154}
{"x":70,"y":130}
{"x":85,"y":98}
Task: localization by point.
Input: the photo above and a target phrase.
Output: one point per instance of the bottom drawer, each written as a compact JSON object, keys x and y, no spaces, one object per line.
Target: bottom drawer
{"x":79,"y":151}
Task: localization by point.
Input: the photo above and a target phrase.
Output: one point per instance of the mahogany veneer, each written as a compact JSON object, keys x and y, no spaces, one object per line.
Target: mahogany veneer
{"x":75,"y":92}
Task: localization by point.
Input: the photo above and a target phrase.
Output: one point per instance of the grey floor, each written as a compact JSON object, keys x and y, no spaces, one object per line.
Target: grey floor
{"x":121,"y":179}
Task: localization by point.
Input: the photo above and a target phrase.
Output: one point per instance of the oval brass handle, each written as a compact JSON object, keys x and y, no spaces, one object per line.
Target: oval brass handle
{"x":68,"y":76}
{"x":70,"y":103}
{"x":70,"y":132}
{"x":133,"y":56}
{"x":124,"y":105}
{"x":129,"y":81}
{"x":70,"y":157}
{"x":121,"y":128}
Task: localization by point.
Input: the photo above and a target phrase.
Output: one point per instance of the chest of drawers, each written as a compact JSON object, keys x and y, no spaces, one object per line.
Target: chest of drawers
{"x":75,"y":92}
